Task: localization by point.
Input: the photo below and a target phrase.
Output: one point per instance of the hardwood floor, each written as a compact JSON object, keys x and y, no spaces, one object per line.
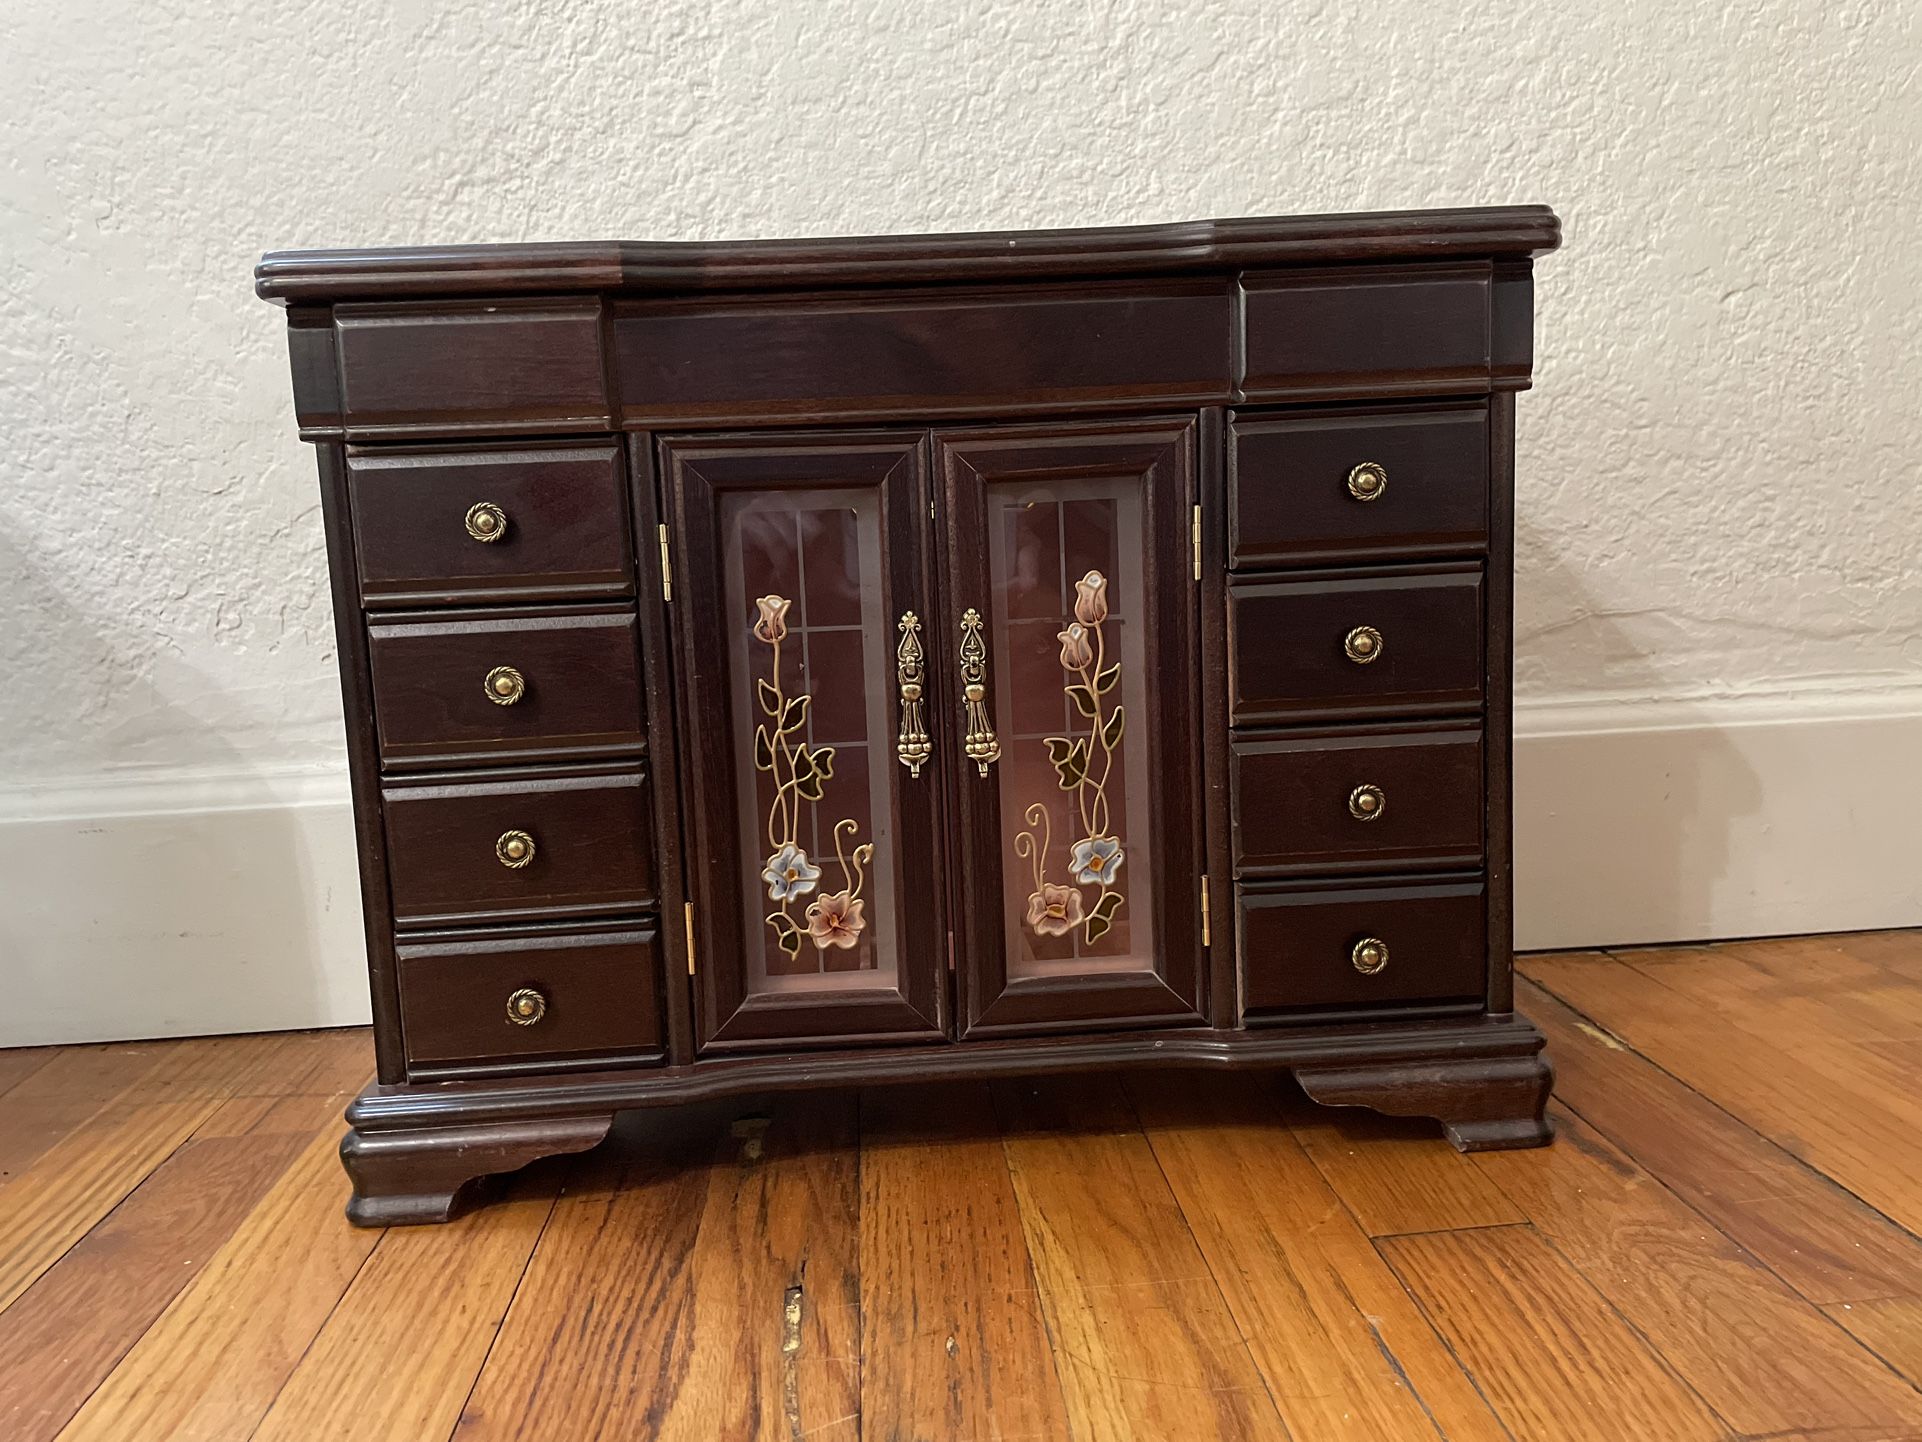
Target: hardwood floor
{"x":1722,"y":1244}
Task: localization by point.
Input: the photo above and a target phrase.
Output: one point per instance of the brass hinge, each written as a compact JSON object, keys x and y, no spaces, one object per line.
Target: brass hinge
{"x":667,"y":575}
{"x":687,"y":926}
{"x":1194,"y":535}
{"x":1206,"y":919}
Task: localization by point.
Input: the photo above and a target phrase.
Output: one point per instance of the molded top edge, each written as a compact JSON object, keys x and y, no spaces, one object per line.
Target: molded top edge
{"x":695,"y":266}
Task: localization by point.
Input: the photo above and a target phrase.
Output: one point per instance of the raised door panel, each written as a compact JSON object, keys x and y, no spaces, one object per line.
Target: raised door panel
{"x":1070,"y":609}
{"x":814,"y":866}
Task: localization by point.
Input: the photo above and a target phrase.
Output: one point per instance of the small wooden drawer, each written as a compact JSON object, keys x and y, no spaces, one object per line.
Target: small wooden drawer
{"x":1313,"y":949}
{"x":1337,"y":485}
{"x":1374,"y":800}
{"x":541,"y":683}
{"x":458,"y":850}
{"x":414,"y":368}
{"x":1377,"y":330}
{"x":548,"y":999}
{"x":1353,"y":643}
{"x":436,"y":525}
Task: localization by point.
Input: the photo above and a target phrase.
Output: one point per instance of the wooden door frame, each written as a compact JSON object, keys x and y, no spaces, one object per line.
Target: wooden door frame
{"x":1164,"y":449}
{"x":726,"y":1016}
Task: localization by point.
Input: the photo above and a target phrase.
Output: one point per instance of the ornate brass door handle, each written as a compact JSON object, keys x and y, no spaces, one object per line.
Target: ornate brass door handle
{"x":912,"y":749}
{"x":983,"y":750}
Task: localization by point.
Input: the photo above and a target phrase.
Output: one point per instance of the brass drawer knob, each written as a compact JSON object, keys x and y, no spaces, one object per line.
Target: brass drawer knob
{"x":527,"y":1006}
{"x":486,"y":521}
{"x":515,"y":849}
{"x":1362,"y":645}
{"x":1370,"y":955}
{"x":1366,"y":803}
{"x":505,"y":685}
{"x":1367,"y":481}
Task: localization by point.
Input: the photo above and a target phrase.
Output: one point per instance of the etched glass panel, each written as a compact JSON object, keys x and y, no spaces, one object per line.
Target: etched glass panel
{"x":1068,"y":651}
{"x":809,"y":658}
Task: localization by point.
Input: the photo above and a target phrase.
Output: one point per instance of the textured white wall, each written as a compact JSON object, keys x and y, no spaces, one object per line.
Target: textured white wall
{"x":1718,"y":472}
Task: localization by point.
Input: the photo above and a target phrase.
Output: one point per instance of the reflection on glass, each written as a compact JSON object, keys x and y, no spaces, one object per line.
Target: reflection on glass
{"x":805,"y":639}
{"x":1065,"y":560}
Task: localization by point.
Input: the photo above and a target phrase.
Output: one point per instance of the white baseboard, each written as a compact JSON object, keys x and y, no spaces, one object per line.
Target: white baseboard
{"x":205,"y":903}
{"x":1688,"y":821}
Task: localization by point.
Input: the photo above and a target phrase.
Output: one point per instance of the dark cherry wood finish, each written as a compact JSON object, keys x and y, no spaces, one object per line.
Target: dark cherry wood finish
{"x":593,"y":854}
{"x":729,"y":1010}
{"x":1158,"y":456}
{"x":1296,"y":810}
{"x":566,"y":532}
{"x":577,"y":685}
{"x":1428,"y":644}
{"x":456,"y":990}
{"x":1231,"y":376}
{"x":1289,"y":496}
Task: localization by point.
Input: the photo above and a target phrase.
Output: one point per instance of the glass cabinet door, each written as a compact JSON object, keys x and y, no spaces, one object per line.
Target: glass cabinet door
{"x":1072,"y":595}
{"x":800,"y":578}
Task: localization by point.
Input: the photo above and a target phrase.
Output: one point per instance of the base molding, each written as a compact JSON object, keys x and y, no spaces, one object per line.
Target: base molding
{"x":420,"y":1153}
{"x":1484,"y":1104}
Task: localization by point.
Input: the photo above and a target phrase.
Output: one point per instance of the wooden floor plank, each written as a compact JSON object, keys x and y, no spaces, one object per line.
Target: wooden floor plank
{"x":1890,"y":1327}
{"x":1555,"y":1360}
{"x":69,"y":1329}
{"x":952,"y":1339}
{"x":1399,"y":1176}
{"x":1844,"y":1128}
{"x":214,"y":1361}
{"x":1763,"y":1357}
{"x":82,"y":1178}
{"x":63,"y":1094}
{"x":1144,"y":1340}
{"x":432,"y":1295}
{"x":20,"y":1062}
{"x":1345,"y":1351}
{"x":1822,"y":1240}
{"x":682,"y":1293}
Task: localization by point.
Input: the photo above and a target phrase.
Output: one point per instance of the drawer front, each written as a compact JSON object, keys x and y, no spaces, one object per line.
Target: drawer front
{"x":497,"y":1003}
{"x":411,"y":368}
{"x":1335,"y":485}
{"x":1302,"y":802}
{"x":516,"y":686}
{"x":1355,"y":642}
{"x":449,"y":845}
{"x":485,"y":525}
{"x":922,"y":354}
{"x":1367,"y":330}
{"x":1313,"y":949}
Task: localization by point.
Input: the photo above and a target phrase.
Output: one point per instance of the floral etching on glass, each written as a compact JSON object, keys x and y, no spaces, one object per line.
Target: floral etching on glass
{"x":800,"y":773}
{"x":1084,"y":764}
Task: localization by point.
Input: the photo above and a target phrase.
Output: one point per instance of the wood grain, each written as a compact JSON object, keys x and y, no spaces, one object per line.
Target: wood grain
{"x":1845,"y":1126}
{"x":1820,"y":1239}
{"x":80,"y":1180}
{"x":216,"y":1358}
{"x":1890,"y":1327}
{"x":21,"y":1062}
{"x":1344,"y":1350}
{"x":69,"y":1329}
{"x":1144,"y":1340}
{"x":1395,"y":1174}
{"x":952,"y":1338}
{"x":602,"y":1297}
{"x":1555,"y":1360}
{"x":434,"y":1295}
{"x":1699,"y":1299}
{"x":707,"y":1301}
